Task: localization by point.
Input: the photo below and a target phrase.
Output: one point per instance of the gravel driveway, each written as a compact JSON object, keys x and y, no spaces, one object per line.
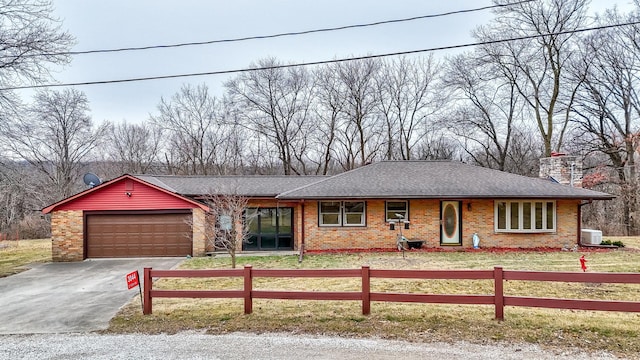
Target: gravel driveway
{"x":190,"y":345}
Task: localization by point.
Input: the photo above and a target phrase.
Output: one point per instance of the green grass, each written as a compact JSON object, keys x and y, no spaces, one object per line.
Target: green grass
{"x":16,"y":255}
{"x":589,"y":330}
{"x":612,"y":331}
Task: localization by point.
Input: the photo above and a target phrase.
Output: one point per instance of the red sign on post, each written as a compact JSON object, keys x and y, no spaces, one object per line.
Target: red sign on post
{"x":132,"y":279}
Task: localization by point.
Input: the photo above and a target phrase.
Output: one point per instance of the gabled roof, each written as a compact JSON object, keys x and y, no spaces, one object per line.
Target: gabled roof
{"x":437,"y":180}
{"x":383,"y":180}
{"x":250,"y":186}
{"x":107,"y":184}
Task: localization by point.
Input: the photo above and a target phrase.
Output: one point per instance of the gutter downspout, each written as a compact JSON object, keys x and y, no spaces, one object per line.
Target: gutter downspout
{"x":301,"y":255}
{"x":579,"y":242}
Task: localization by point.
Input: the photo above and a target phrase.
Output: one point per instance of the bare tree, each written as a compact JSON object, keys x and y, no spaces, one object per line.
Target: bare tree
{"x":541,"y":62}
{"x":10,"y":200}
{"x":134,"y":148}
{"x":21,"y":197}
{"x":237,"y":141}
{"x":32,"y":40}
{"x":262,"y":158}
{"x":56,"y":138}
{"x":488,"y":107}
{"x":226,"y":222}
{"x":275,"y":104}
{"x":195,"y":130}
{"x":360,"y":135}
{"x":437,"y":145}
{"x":329,"y":106}
{"x":607,"y":106}
{"x":409,"y":95}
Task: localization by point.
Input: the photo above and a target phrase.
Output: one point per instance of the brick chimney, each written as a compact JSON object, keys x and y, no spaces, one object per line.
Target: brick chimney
{"x":562,"y":168}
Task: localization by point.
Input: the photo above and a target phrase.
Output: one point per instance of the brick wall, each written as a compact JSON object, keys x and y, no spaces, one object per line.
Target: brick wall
{"x":199,"y":226}
{"x":67,"y":241}
{"x":424,"y":216}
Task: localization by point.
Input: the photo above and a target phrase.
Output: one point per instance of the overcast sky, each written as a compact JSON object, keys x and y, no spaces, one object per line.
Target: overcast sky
{"x":132,"y":23}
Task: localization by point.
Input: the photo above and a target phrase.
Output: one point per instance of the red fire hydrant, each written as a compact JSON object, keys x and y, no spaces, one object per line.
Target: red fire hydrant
{"x":583,"y":263}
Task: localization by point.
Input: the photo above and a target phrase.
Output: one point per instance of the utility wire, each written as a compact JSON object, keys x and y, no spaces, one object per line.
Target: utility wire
{"x":323,"y":62}
{"x":260,"y":37}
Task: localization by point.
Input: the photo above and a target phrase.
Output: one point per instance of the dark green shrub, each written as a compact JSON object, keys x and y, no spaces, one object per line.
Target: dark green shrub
{"x":617,"y":243}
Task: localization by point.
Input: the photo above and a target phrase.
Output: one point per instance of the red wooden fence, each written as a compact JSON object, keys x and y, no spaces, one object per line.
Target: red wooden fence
{"x":366,"y":296}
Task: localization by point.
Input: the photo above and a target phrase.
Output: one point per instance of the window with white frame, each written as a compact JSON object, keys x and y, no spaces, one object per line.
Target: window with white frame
{"x":354,"y":213}
{"x":395,"y":208}
{"x":342,"y":213}
{"x":529,"y":216}
{"x":330,"y":213}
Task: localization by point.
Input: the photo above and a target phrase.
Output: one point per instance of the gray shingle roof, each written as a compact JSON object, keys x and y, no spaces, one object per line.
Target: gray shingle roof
{"x":438,"y":180}
{"x":251,"y":186}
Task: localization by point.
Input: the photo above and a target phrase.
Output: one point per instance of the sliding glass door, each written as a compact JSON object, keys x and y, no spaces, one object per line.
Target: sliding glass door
{"x":269,"y":229}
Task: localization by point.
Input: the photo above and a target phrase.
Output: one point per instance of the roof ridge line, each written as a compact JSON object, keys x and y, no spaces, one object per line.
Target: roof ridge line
{"x":322,"y":180}
{"x":155,"y":177}
{"x":232,"y":176}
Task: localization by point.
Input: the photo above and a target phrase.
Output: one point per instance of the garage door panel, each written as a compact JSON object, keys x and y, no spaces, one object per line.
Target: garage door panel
{"x":137,"y":235}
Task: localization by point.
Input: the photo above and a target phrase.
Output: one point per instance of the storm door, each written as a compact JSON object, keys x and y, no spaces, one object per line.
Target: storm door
{"x":450,"y":223}
{"x":269,"y":229}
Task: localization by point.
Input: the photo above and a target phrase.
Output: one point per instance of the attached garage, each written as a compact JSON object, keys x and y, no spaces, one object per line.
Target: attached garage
{"x":124,"y":218}
{"x":121,"y":235}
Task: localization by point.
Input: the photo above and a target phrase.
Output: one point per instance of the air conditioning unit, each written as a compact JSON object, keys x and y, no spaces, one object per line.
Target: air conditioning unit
{"x":591,"y":237}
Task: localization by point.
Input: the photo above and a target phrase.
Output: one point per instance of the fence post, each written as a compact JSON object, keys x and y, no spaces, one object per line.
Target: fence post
{"x":147,"y":306}
{"x":498,"y":279}
{"x":248,"y":285}
{"x":366,"y":290}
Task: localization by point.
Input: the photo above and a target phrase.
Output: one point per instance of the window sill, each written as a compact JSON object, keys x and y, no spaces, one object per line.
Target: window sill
{"x":341,"y":226}
{"x":525,"y":231}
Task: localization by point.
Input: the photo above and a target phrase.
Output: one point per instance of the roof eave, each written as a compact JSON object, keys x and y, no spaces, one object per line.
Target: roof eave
{"x":447,"y":197}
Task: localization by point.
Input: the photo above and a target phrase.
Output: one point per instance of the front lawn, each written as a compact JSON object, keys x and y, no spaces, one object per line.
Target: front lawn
{"x":612,"y":331}
{"x":16,"y":255}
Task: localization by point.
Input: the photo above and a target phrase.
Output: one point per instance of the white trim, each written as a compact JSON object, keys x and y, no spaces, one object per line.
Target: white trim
{"x":544,"y":226}
{"x":363,"y":214}
{"x":342,"y":214}
{"x":406,"y":209}
{"x":456,"y":235}
{"x":320,"y":213}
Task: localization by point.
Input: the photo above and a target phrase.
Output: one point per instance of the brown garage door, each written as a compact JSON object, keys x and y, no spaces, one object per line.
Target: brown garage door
{"x":138,"y":235}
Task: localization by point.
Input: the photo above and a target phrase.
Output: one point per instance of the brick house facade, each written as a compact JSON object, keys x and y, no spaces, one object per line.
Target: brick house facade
{"x":424,"y":226}
{"x":504,"y":210}
{"x":444,"y":203}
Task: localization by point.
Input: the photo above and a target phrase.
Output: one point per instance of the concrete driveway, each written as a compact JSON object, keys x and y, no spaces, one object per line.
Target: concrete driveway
{"x":69,"y":297}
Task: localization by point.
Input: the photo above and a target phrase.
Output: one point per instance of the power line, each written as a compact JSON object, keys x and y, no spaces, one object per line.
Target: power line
{"x":322,"y":62}
{"x":260,"y":37}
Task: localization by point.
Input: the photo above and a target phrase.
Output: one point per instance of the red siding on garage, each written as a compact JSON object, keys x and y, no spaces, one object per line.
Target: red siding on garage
{"x":114,"y":197}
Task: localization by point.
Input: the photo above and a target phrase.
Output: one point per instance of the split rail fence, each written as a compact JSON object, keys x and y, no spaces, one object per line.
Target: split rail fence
{"x":498,"y":299}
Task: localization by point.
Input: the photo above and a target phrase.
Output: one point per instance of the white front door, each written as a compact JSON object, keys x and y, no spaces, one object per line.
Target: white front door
{"x":450,"y":223}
